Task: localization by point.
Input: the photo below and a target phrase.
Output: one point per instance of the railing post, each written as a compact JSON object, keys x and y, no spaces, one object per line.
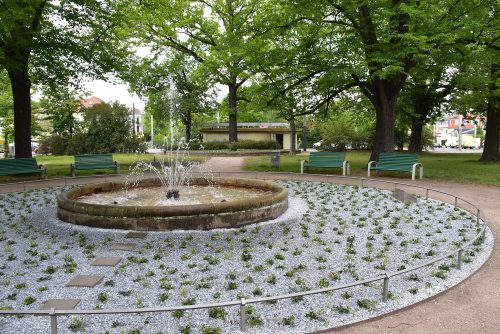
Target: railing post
{"x":478,"y":215}
{"x":243,"y":316}
{"x":385,"y":291}
{"x":459,"y":259}
{"x":427,"y":193}
{"x":53,"y":321}
{"x":456,"y":201}
{"x":362,"y":182}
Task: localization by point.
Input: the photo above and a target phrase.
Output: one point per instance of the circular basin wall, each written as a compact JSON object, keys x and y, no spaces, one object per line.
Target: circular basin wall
{"x":228,"y":214}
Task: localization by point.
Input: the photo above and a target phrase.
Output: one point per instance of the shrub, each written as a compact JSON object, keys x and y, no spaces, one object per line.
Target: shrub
{"x":239,"y":145}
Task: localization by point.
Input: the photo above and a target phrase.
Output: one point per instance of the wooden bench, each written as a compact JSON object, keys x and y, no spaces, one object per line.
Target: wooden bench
{"x":326,"y":160}
{"x":21,"y":166}
{"x":94,"y":161}
{"x":402,"y":162}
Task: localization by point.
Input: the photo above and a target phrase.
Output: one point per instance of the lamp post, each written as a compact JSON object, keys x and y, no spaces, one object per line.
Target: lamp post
{"x":460,"y":132}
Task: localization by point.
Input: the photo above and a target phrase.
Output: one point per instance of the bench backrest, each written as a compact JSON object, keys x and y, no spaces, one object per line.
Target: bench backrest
{"x":94,"y":160}
{"x":11,"y":166}
{"x":327,"y":158}
{"x":397,"y":160}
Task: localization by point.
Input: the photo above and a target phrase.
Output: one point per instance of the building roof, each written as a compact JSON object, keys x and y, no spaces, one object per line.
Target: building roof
{"x":247,"y":125}
{"x":91,"y":101}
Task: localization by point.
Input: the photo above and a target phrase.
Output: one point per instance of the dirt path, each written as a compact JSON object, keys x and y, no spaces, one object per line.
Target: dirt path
{"x":227,"y":164}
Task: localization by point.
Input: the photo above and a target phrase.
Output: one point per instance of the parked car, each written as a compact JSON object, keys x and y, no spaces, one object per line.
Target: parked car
{"x":317,"y":145}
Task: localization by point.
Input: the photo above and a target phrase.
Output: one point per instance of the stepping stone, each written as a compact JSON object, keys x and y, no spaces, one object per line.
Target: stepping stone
{"x":60,"y":304}
{"x":123,"y":246}
{"x":88,"y":281}
{"x":136,"y":235}
{"x":109,"y":261}
{"x":404,"y":197}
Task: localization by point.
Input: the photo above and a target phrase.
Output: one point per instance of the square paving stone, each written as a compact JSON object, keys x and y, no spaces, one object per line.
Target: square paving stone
{"x":109,"y":261}
{"x":60,"y":304}
{"x":136,"y":235}
{"x":88,"y":281}
{"x":123,"y":246}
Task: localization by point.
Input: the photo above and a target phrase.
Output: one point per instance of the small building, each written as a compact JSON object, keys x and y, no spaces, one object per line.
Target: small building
{"x":217,"y":132}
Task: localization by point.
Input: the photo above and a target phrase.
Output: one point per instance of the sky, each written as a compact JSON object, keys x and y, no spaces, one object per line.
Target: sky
{"x":113,"y":91}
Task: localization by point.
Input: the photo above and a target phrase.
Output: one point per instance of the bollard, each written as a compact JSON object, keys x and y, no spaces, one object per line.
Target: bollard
{"x":478,"y":215}
{"x":456,"y":201}
{"x":362,"y":182}
{"x":53,"y":321}
{"x":385,"y":292}
{"x":426,"y":193}
{"x":459,"y":259}
{"x":243,"y":316}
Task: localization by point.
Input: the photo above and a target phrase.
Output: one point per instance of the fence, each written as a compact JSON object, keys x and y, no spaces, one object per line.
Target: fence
{"x":455,"y":200}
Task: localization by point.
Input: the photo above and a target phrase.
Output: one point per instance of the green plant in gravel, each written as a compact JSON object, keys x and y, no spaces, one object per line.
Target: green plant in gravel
{"x":288,"y":321}
{"x":217,"y":313}
{"x":69,"y":264}
{"x":367,"y":304}
{"x":205,"y":329}
{"x":439,"y":274}
{"x":180,"y":313}
{"x":29,"y":300}
{"x":77,"y":324}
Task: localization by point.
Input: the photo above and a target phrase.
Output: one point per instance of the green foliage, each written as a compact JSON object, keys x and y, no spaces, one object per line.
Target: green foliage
{"x":239,"y":145}
{"x":106,"y":129}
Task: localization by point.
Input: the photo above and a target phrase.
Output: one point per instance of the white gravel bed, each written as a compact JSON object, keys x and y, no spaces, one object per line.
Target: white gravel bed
{"x":330,"y":235}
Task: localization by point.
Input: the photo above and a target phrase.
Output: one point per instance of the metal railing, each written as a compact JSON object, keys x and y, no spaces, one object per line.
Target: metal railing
{"x":458,"y":253}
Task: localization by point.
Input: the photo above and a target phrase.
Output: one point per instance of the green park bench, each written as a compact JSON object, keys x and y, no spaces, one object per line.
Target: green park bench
{"x":401,"y":162}
{"x":94,"y":161}
{"x":21,"y":166}
{"x":326,"y":160}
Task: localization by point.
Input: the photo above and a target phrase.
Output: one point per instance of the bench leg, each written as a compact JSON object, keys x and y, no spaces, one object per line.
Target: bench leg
{"x":413,"y":170}
{"x":302,"y":167}
{"x":421,"y":172}
{"x":117,"y":168}
{"x":72,"y":169}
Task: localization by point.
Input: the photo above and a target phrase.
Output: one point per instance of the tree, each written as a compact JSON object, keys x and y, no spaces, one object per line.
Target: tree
{"x":107,"y":127}
{"x":48,"y":41}
{"x":156,"y":79}
{"x":60,"y":108}
{"x":225,"y":36}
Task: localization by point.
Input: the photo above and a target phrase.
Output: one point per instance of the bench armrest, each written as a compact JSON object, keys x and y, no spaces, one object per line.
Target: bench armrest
{"x":370,"y":166}
{"x":346,"y":169}
{"x":44,"y":171}
{"x":302,"y":166}
{"x":414,"y":168}
{"x":117,"y":167}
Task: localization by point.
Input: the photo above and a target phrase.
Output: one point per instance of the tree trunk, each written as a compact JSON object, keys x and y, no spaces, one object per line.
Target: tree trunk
{"x":21,"y":86}
{"x":188,"y":121}
{"x":233,"y":121}
{"x":417,"y":128}
{"x":384,"y":102}
{"x":293,"y":134}
{"x":491,"y":150}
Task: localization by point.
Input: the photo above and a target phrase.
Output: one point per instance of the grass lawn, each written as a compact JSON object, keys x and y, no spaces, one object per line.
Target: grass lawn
{"x":441,"y":166}
{"x":58,"y":166}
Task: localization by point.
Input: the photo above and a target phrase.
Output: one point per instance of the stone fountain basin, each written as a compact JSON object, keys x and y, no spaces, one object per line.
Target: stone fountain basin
{"x":230,"y":214}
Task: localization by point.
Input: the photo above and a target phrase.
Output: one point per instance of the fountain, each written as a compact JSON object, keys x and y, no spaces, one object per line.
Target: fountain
{"x":174,"y":199}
